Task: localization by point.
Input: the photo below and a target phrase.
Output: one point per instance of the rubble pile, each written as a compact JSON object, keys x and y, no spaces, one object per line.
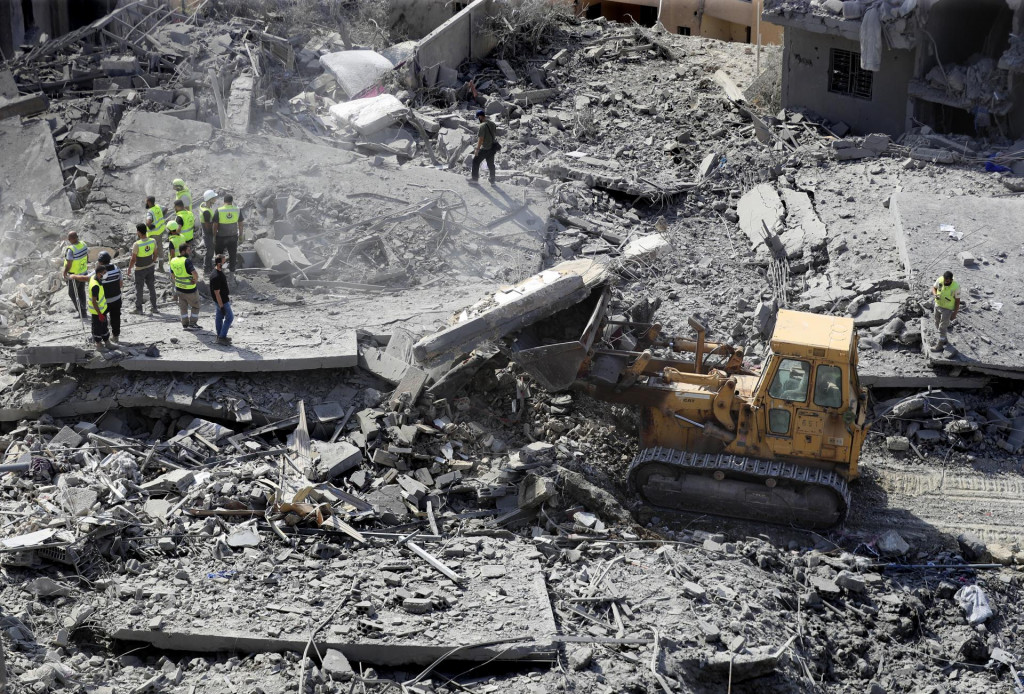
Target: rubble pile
{"x":391,"y":526}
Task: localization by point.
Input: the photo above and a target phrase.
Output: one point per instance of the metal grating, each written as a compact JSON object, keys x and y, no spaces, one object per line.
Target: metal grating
{"x":845,"y":75}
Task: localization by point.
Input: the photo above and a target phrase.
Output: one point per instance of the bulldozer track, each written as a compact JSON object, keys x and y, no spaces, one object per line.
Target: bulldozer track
{"x":737,"y":466}
{"x":936,"y":501}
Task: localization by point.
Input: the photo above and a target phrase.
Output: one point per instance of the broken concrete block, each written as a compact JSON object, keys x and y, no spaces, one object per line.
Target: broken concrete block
{"x":581,"y":657}
{"x":537,"y":451}
{"x":336,"y":665}
{"x":534,"y":491}
{"x":368,"y":116}
{"x":357,"y":70}
{"x":892,"y":544}
{"x":337,"y":458}
{"x":120,"y":65}
{"x":759,"y":208}
{"x":834,"y":6}
{"x":851,"y":582}
{"x":935,"y":156}
{"x":853,"y":9}
{"x":280,"y":257}
{"x":418,"y":605}
{"x":646,"y":248}
{"x":876,"y":143}
{"x":897,"y":443}
{"x":966,"y":258}
{"x":23,"y":105}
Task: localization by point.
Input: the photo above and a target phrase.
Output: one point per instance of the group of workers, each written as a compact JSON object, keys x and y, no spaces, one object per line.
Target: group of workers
{"x":98,"y":295}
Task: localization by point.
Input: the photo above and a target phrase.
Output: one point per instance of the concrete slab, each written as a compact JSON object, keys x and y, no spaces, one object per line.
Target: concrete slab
{"x":483,"y":610}
{"x":356,"y":71}
{"x":368,"y":116}
{"x":454,"y":255}
{"x":30,"y":170}
{"x":986,"y":333}
{"x":759,"y":208}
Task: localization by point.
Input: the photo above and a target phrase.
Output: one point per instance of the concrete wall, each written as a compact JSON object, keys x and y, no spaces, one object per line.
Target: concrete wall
{"x":805,"y":81}
{"x":417,"y":18}
{"x":723,"y":19}
{"x":461,"y":38}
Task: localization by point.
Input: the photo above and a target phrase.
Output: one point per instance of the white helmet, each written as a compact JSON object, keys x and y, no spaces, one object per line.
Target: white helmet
{"x":209,"y":195}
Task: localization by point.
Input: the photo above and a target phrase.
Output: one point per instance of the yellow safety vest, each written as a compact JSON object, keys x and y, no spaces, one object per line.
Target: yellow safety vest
{"x":185,"y":194}
{"x":158,"y":221}
{"x":182,"y":277}
{"x":175,"y":241}
{"x":188,"y":223}
{"x":204,"y":207}
{"x":946,"y":297}
{"x":101,"y":299}
{"x":227,"y":220}
{"x":79,"y":258}
{"x":145,"y":248}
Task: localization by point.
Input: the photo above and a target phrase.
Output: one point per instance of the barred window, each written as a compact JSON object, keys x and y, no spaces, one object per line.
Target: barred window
{"x":845,"y":75}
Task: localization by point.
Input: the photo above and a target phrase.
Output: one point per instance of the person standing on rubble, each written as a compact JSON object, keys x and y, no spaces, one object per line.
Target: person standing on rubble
{"x":98,"y":306}
{"x":181,"y":192}
{"x":207,"y":210}
{"x":185,"y":220}
{"x":112,"y":285}
{"x":947,"y":305}
{"x":186,"y":281}
{"x":174,"y":240}
{"x":227,"y":231}
{"x":222,"y":296}
{"x":143,"y":262}
{"x":76,"y":262}
{"x":487,"y":146}
{"x":155,"y":225}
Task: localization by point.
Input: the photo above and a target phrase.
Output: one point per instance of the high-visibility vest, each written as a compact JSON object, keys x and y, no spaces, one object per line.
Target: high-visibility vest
{"x":227,"y":220}
{"x":175,"y":241}
{"x":145,"y":248}
{"x":188,"y":223}
{"x":205,"y":207}
{"x":185,"y":195}
{"x":158,"y":221}
{"x":113,"y":280}
{"x":78,"y":254}
{"x":182,"y":277}
{"x":946,"y":296}
{"x":101,"y":299}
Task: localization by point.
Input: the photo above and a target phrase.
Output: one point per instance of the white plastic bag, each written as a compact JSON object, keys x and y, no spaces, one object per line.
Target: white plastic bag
{"x":974,"y":603}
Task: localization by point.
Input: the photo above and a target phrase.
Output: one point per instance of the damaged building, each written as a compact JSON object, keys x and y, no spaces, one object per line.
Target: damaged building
{"x":653,"y":411}
{"x":886,"y":66}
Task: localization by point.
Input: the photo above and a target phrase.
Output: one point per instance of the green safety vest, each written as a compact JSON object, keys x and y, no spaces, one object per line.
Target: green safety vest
{"x":185,"y":195}
{"x":188,"y":223}
{"x":146,"y":248}
{"x":79,"y":258}
{"x":182,"y":277}
{"x":946,"y":297}
{"x":158,"y":221}
{"x":175,"y":241}
{"x":101,"y":300}
{"x":227,"y":220}
{"x":205,"y":207}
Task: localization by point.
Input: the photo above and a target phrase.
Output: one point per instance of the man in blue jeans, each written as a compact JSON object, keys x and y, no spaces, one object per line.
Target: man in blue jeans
{"x":222,"y":297}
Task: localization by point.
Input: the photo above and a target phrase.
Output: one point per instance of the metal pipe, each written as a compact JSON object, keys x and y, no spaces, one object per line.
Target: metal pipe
{"x":15,"y":467}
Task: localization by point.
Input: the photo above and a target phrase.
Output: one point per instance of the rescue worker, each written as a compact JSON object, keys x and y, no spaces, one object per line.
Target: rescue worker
{"x":174,"y":240}
{"x":947,"y":304}
{"x":207,"y":210}
{"x":181,"y":192}
{"x":227,"y":230}
{"x":486,"y":147}
{"x":98,"y":306}
{"x":112,"y":284}
{"x":76,"y":262}
{"x":186,"y":279}
{"x":185,"y":219}
{"x":143,"y":262}
{"x":155,"y":222}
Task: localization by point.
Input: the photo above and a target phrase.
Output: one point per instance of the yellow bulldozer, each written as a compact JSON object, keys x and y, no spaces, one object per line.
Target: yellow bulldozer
{"x":776,"y":444}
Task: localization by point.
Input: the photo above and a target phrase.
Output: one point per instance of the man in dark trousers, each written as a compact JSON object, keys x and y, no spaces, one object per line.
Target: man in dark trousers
{"x":112,"y":284}
{"x":227,"y":230}
{"x":143,"y":261}
{"x":76,"y":262}
{"x":486,"y":147}
{"x":222,"y":297}
{"x":97,"y":305}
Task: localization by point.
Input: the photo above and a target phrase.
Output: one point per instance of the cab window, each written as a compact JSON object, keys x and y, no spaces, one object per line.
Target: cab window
{"x":828,"y":386}
{"x":791,"y":381}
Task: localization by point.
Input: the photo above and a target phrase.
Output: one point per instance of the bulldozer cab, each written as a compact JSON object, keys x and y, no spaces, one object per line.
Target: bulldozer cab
{"x":808,"y":392}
